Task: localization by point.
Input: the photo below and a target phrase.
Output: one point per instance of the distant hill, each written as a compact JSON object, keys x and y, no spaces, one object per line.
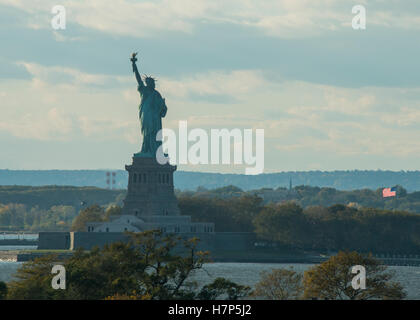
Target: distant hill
{"x":341,"y":180}
{"x":47,"y":196}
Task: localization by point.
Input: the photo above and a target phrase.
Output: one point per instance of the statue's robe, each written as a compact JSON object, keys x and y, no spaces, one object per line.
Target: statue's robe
{"x":151,"y":111}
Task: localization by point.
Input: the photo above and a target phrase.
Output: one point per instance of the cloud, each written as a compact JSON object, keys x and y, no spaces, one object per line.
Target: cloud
{"x":54,"y":125}
{"x":228,"y":85}
{"x":11,"y":70}
{"x":299,"y":118}
{"x":279,"y":18}
{"x":304,"y":117}
{"x":60,"y":37}
{"x":215,"y":83}
{"x":64,"y":104}
{"x":65,"y":75}
{"x":407,"y":117}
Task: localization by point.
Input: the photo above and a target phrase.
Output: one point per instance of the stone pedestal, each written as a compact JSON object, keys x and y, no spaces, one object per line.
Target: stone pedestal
{"x":150,"y":189}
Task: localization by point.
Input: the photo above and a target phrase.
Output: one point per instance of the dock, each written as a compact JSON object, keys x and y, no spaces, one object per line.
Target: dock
{"x":18,"y":242}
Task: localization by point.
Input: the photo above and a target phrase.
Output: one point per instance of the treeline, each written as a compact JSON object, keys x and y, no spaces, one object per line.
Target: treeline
{"x":229,"y":215}
{"x":50,"y":208}
{"x":340,"y":227}
{"x":313,"y":196}
{"x":17,"y":217}
{"x":80,"y":197}
{"x":319,"y":228}
{"x":47,"y":196}
{"x":304,"y":218}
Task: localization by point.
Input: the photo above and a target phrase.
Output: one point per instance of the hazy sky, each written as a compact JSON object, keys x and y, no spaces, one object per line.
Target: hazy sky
{"x":329,"y":97}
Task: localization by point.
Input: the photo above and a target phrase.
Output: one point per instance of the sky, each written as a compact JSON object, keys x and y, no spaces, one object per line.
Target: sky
{"x":327,"y":96}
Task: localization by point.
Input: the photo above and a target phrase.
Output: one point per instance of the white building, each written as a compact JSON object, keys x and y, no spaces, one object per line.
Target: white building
{"x":167,"y":224}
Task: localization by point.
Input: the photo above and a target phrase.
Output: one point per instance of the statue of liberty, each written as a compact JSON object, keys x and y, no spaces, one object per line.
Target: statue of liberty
{"x":151,"y":111}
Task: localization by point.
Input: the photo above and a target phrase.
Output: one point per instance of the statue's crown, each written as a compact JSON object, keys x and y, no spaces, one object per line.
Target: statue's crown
{"x":149,"y":77}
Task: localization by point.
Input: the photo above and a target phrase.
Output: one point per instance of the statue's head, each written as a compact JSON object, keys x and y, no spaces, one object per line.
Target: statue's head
{"x":150,"y":82}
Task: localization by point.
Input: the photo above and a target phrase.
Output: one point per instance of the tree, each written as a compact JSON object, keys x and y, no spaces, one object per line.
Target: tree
{"x":166,"y":275}
{"x":222,"y":287}
{"x":284,"y":223}
{"x":90,"y":214}
{"x":3,"y":290}
{"x":150,"y":266}
{"x":112,"y":211}
{"x":332,"y":279}
{"x":33,"y":281}
{"x":401,"y":192}
{"x":245,"y":210}
{"x":280,"y":284}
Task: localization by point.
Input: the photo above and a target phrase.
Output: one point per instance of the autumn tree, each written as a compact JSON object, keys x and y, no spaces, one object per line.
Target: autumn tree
{"x":332,"y":279}
{"x":112,"y":211}
{"x":279,"y":284}
{"x":90,"y":214}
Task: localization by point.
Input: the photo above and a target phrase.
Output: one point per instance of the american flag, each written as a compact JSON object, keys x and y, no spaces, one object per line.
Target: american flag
{"x":389,"y":192}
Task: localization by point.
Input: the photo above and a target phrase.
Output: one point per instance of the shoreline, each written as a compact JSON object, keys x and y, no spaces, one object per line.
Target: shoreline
{"x":19,"y":256}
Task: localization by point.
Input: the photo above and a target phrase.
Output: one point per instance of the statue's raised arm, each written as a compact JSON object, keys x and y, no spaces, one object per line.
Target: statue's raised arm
{"x":135,"y":70}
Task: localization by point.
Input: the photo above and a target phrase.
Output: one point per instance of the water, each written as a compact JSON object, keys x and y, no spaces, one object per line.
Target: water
{"x":249,"y":273}
{"x":7,"y":269}
{"x":13,"y":248}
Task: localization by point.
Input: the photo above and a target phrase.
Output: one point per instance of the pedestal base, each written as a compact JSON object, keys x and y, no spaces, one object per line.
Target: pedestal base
{"x":150,"y":189}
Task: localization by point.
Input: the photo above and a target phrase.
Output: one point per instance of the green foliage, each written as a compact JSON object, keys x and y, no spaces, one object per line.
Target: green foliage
{"x":33,"y":281}
{"x":234,"y":214}
{"x":340,"y":228}
{"x":283,"y":223}
{"x":223,"y":288}
{"x":332,"y":228}
{"x":57,"y":218}
{"x":46,"y":197}
{"x":18,"y":217}
{"x":322,"y":218}
{"x":53,"y":208}
{"x":3,"y":290}
{"x":150,"y":266}
{"x":307,"y":196}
